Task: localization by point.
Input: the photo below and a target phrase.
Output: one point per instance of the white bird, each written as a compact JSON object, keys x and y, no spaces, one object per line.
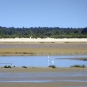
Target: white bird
{"x":52,"y":62}
{"x":48,"y":60}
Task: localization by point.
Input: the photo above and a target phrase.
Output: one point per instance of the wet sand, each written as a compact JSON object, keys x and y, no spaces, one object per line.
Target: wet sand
{"x":62,"y":77}
{"x":43,"y":48}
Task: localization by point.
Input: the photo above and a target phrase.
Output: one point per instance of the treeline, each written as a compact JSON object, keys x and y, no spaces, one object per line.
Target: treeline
{"x":43,"y":32}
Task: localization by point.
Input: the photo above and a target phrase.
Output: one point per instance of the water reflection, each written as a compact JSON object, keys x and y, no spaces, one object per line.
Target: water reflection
{"x":41,"y":61}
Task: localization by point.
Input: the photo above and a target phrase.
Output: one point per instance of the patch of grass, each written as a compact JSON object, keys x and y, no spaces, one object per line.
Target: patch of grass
{"x":7,"y":66}
{"x":52,"y":66}
{"x":81,"y":66}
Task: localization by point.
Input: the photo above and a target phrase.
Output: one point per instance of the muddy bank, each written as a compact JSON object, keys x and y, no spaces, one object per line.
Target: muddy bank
{"x":42,"y":48}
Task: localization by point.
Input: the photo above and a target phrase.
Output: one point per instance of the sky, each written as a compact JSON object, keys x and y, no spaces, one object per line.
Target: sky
{"x":43,"y":13}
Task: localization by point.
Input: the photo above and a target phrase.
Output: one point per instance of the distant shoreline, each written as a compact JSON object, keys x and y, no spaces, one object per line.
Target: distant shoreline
{"x":54,"y":40}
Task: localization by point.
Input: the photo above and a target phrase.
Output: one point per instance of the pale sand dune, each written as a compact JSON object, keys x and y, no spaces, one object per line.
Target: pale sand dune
{"x":43,"y":40}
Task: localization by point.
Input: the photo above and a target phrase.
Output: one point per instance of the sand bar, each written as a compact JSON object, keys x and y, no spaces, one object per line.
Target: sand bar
{"x":43,"y":48}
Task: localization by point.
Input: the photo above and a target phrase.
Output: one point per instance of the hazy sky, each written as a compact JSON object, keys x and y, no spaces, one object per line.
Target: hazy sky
{"x":43,"y":13}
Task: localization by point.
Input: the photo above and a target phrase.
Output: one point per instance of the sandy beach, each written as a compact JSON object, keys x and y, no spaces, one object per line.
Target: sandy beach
{"x":59,"y":40}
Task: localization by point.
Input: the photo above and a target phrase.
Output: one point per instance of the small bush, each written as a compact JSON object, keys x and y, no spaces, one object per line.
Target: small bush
{"x":7,"y":66}
{"x":52,"y":66}
{"x":82,"y":66}
{"x":76,"y":66}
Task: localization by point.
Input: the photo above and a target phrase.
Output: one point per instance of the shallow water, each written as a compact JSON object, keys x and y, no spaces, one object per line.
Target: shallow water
{"x":41,"y":61}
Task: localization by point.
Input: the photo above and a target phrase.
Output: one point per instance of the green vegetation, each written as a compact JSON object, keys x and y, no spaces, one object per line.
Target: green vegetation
{"x":43,"y":32}
{"x":82,"y":66}
{"x":7,"y":66}
{"x":52,"y":66}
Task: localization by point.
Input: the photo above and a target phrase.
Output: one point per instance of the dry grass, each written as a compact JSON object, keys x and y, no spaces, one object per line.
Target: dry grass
{"x":41,"y":51}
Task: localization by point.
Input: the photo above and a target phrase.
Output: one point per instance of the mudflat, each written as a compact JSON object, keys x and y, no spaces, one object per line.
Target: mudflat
{"x":49,"y":48}
{"x":43,"y":77}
